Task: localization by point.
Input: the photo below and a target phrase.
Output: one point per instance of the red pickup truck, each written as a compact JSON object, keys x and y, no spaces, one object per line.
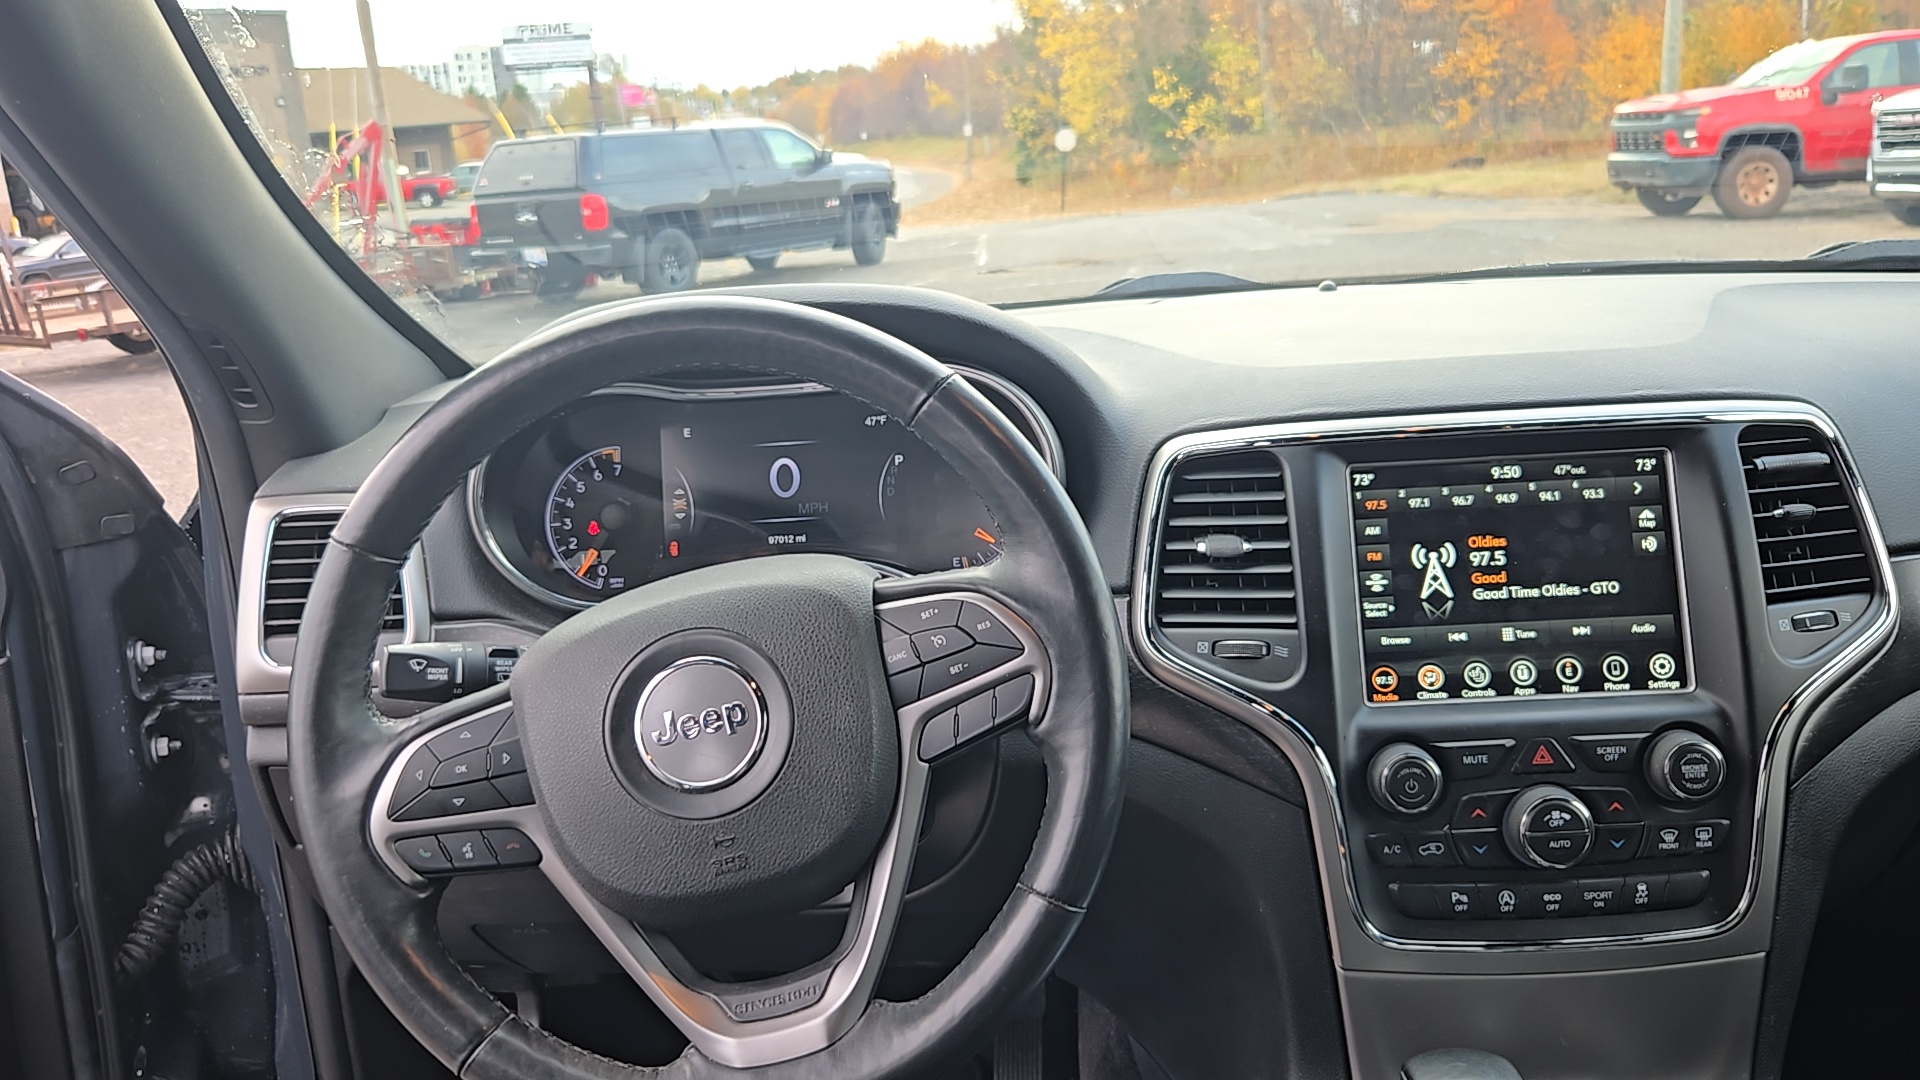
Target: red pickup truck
{"x":1804,"y":115}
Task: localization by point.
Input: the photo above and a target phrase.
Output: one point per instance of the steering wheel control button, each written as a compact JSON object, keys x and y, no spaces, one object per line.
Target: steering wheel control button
{"x":700,"y":723}
{"x":961,"y":666}
{"x":1548,"y":827}
{"x":1472,"y":760}
{"x":462,"y":768}
{"x":1608,"y":753}
{"x":1542,"y":756}
{"x":1434,"y":848}
{"x":1012,"y":700}
{"x":468,"y":850}
{"x":1481,"y":810}
{"x":1684,"y":767}
{"x":467,"y":735}
{"x":505,"y":759}
{"x":897,"y":652}
{"x":415,"y":777}
{"x":1405,"y":779}
{"x":930,"y":615}
{"x":904,"y":688}
{"x":937,"y":737}
{"x":933,"y":646}
{"x":974,"y":718}
{"x":424,"y":854}
{"x":986,"y":628}
{"x":1389,"y":849}
{"x":516,"y":789}
{"x":1616,"y":843}
{"x":511,"y":847}
{"x":446,"y":802}
{"x":1480,"y":848}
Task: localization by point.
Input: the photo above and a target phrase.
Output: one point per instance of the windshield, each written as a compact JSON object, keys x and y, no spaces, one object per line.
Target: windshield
{"x":1792,"y":65}
{"x":491,"y":173}
{"x":43,"y":248}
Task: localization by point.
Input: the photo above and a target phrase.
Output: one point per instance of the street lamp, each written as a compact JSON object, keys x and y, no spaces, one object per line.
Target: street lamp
{"x":1064,"y":141}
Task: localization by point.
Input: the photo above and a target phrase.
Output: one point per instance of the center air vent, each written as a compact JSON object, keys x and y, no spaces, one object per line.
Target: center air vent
{"x":1811,"y":543}
{"x":1226,"y":548}
{"x":294,"y":547}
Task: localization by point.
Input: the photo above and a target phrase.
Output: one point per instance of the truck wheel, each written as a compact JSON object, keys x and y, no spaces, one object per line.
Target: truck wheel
{"x":132,"y":346}
{"x":673,"y":262}
{"x":429,"y":198}
{"x":1665,"y":203}
{"x":1905,"y":211}
{"x":869,"y":234}
{"x":1753,"y":183}
{"x":763,"y":263}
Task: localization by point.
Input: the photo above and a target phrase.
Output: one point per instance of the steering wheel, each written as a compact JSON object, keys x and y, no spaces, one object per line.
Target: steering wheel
{"x":728,"y":743}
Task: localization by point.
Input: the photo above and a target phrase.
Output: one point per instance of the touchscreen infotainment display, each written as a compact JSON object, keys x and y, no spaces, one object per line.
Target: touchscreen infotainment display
{"x":1516,"y":577}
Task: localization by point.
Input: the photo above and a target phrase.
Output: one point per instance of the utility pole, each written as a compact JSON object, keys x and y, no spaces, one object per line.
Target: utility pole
{"x":593,"y":98}
{"x":1263,"y":41}
{"x":966,"y":104}
{"x":389,"y":146}
{"x":1670,"y":46}
{"x":1804,"y":4}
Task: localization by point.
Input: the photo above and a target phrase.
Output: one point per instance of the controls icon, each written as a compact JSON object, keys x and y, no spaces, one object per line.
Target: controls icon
{"x":1431,"y":677}
{"x":1661,"y":665}
{"x":1523,"y":672}
{"x":1476,"y":674}
{"x":1614,"y":667}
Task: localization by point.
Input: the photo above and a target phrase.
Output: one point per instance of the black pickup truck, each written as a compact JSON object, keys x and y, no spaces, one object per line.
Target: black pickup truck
{"x":650,"y":205}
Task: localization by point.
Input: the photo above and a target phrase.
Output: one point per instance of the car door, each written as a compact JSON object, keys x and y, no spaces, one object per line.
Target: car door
{"x":814,"y":212}
{"x":762,"y":224}
{"x":1844,"y":122}
{"x":71,"y":262}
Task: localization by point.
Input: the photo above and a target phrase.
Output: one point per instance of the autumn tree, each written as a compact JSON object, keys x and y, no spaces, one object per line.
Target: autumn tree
{"x":1622,"y":59}
{"x":1512,"y":58}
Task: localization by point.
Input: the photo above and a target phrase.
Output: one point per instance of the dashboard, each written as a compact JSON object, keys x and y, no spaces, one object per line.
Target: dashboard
{"x":1524,"y":670}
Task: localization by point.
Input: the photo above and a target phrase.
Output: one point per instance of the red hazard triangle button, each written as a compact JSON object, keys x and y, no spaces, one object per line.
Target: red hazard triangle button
{"x":1542,"y":756}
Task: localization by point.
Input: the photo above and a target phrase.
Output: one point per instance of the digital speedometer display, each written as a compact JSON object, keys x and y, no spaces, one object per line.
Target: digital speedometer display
{"x":1517,"y":577}
{"x":625,"y":488}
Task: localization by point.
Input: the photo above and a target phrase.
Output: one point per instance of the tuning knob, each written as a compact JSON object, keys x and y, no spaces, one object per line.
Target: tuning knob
{"x":1548,"y":826}
{"x":1685,"y":767}
{"x":1405,"y":779}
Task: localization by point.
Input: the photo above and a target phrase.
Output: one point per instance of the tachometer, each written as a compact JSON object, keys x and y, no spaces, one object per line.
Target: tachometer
{"x":591,"y":515}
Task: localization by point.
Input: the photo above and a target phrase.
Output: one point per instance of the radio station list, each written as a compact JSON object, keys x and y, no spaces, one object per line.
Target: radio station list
{"x":1517,"y":577}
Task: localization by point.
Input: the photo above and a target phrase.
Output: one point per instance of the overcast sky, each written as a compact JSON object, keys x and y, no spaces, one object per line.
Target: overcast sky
{"x":723,"y":43}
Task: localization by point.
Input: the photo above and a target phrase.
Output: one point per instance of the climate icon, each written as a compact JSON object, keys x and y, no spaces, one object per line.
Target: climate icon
{"x":1434,"y":583}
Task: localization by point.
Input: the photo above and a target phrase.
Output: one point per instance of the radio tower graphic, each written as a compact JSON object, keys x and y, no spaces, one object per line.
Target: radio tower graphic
{"x":1435,"y":562}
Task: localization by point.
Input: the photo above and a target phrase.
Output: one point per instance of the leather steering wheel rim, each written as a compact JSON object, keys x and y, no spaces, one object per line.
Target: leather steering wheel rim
{"x":340,"y":746}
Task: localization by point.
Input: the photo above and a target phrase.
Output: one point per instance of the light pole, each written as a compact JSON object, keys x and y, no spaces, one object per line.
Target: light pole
{"x":1674,"y":31}
{"x":1064,"y":141}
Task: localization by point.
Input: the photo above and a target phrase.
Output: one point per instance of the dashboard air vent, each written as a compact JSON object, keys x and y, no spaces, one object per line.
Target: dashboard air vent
{"x":1811,"y":543}
{"x":294,"y":548}
{"x":1226,"y":548}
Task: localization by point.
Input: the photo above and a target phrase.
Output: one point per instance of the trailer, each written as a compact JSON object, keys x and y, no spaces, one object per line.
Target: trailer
{"x":44,"y":314}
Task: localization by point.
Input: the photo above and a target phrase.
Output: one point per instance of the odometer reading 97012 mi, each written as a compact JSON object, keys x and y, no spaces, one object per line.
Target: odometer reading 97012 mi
{"x":592,"y":516}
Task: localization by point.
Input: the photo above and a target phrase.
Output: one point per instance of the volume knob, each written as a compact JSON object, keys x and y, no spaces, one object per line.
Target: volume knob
{"x":1405,"y":779}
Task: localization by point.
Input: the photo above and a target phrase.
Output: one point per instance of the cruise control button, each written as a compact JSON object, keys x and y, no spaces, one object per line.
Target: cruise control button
{"x":468,"y":850}
{"x":928,"y":615}
{"x":986,"y":628}
{"x":415,"y":778}
{"x":1480,"y":847}
{"x":1646,"y":892}
{"x":935,"y":645}
{"x":937,"y":737}
{"x":466,"y":736}
{"x":446,"y":802}
{"x":1012,"y":700}
{"x":1434,"y":848}
{"x":1389,"y":849}
{"x":1610,"y":804}
{"x":962,"y":666}
{"x":1616,"y":843}
{"x":1542,"y":756}
{"x":975,"y":716}
{"x":1481,"y":810}
{"x":423,"y":853}
{"x":462,"y":768}
{"x":1471,"y":760}
{"x":511,"y":847}
{"x":1599,"y":896}
{"x":505,"y":759}
{"x":905,"y":687}
{"x":897,"y":651}
{"x":1687,"y":888}
{"x":1608,"y":753}
{"x":516,"y":789}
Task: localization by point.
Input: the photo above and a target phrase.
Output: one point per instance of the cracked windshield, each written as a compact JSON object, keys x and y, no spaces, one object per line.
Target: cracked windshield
{"x":494,"y":165}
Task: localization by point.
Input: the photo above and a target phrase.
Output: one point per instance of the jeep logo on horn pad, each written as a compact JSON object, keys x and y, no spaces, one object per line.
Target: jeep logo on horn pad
{"x":700,"y":723}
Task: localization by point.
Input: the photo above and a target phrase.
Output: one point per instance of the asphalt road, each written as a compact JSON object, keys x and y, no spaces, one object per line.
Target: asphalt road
{"x":1338,"y":236}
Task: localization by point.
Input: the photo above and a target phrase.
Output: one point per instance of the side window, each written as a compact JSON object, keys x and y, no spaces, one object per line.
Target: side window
{"x":744,"y":150}
{"x":627,"y":156}
{"x":422,"y":161}
{"x":789,"y":151}
{"x":1910,"y":63}
{"x":1881,"y":60}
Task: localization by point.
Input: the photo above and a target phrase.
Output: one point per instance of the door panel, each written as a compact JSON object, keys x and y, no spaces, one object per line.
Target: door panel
{"x":815,"y":208}
{"x":761,"y":190}
{"x":1845,"y":127}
